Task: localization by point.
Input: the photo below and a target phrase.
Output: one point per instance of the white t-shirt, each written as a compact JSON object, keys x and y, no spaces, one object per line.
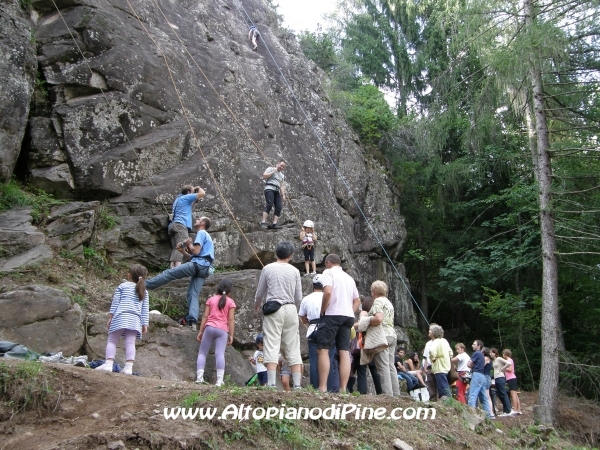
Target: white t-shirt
{"x":426,"y":354}
{"x":463,"y":359}
{"x":343,"y":292}
{"x":311,"y":308}
{"x":259,"y":361}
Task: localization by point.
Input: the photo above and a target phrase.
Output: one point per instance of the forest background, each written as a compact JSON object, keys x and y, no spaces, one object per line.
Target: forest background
{"x":487,"y":114}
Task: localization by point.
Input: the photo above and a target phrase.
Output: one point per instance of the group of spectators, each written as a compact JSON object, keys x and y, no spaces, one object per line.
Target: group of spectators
{"x":478,"y":378}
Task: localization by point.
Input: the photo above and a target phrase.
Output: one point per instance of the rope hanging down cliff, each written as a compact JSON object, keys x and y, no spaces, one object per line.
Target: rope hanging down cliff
{"x":229,"y":110}
{"x":341,"y":177}
{"x":187,"y":118}
{"x":107,"y":102}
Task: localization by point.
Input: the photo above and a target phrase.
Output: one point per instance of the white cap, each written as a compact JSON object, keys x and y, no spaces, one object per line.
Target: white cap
{"x":308,"y":224}
{"x":318,"y":279}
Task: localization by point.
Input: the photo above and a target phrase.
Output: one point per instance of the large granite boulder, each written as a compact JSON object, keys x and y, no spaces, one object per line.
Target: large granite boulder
{"x":71,"y":225}
{"x":41,"y":318}
{"x":21,"y":243}
{"x":248,"y":322}
{"x":18,"y":74}
{"x":168,"y":351}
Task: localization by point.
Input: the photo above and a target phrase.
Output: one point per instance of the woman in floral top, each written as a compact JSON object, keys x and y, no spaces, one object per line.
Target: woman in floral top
{"x":382,"y":312}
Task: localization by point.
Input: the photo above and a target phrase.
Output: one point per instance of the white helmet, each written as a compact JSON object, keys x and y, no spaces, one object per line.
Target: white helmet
{"x":308,"y":224}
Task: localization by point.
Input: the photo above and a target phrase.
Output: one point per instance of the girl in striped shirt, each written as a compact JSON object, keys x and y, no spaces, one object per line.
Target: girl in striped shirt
{"x":128,"y":317}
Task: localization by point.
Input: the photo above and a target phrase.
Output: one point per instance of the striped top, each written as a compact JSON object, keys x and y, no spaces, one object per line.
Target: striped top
{"x":279,"y":282}
{"x":127,"y":310}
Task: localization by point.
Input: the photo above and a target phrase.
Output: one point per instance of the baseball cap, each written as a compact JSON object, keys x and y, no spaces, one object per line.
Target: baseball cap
{"x":318,"y":279}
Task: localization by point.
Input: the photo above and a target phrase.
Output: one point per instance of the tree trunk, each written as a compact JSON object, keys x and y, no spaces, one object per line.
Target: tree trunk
{"x":423,"y":301}
{"x":546,"y":409}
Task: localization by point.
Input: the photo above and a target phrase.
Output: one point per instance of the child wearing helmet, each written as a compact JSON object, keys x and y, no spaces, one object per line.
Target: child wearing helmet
{"x":309,"y":238}
{"x":259,"y":361}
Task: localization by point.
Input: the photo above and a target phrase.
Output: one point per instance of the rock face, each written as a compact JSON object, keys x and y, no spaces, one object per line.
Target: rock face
{"x":131,"y":115}
{"x":21,"y":243}
{"x":168,"y":351}
{"x":248,"y":323}
{"x":41,"y":318}
{"x":17,"y":72}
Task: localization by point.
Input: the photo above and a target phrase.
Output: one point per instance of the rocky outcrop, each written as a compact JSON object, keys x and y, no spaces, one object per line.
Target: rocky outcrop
{"x":248,"y":323}
{"x":168,"y":351}
{"x":18,"y":73}
{"x":131,"y":116}
{"x":21,"y":243}
{"x":41,"y":318}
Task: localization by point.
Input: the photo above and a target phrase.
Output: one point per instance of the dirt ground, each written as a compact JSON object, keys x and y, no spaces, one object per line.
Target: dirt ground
{"x":89,"y":409}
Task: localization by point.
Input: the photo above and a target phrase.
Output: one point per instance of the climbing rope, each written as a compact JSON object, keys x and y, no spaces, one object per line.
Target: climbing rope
{"x":108,"y":102}
{"x":341,"y":177}
{"x":217,"y":185}
{"x":233,"y":115}
{"x":185,"y":113}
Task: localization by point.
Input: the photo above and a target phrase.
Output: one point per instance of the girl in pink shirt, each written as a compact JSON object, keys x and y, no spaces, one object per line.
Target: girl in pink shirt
{"x":217,"y":326}
{"x":511,"y":381}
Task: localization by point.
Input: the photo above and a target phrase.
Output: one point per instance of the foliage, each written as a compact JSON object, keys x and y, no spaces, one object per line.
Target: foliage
{"x":13,"y":195}
{"x":25,"y":386}
{"x":167,"y":306}
{"x":97,"y":261}
{"x":320,"y":47}
{"x":368,"y":113}
{"x":106,"y":220}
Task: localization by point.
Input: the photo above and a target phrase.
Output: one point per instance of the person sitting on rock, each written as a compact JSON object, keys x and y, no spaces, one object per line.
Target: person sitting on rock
{"x":254,"y":36}
{"x":181,"y":224}
{"x":274,"y":194}
{"x":202,"y":253}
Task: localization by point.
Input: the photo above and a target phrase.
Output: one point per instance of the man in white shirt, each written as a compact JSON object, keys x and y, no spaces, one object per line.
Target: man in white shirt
{"x":340,"y":301}
{"x":310,"y":313}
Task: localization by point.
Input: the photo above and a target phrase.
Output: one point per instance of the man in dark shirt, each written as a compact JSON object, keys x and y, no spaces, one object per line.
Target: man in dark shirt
{"x":478,"y":381}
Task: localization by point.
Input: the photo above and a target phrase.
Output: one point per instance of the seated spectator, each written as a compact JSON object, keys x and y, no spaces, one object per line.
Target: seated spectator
{"x":411,"y":380}
{"x":413,"y":365}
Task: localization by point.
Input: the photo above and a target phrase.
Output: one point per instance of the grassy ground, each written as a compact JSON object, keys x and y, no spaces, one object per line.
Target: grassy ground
{"x":78,"y":408}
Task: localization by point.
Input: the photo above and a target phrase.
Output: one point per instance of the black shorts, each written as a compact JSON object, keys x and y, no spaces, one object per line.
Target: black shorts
{"x":334,"y":331}
{"x":309,"y":255}
{"x":512,"y":384}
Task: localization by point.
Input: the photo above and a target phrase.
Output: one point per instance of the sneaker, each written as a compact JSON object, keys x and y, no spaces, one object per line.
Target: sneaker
{"x":313,"y":274}
{"x":127,"y":370}
{"x":505,"y":414}
{"x":107,"y":367}
{"x":264,"y":225}
{"x":491,"y":417}
{"x":275,"y":226}
{"x":192,"y":326}
{"x":255,"y":48}
{"x":518,"y":413}
{"x":307,"y":274}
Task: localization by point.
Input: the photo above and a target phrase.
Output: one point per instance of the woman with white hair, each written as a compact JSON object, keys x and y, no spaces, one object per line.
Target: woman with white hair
{"x":440,"y":354}
{"x":382,"y":313}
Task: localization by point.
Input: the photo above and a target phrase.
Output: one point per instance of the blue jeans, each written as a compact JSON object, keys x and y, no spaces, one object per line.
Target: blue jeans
{"x":502,"y":394}
{"x":443,"y":387}
{"x":197,"y":274}
{"x":477,"y":390}
{"x":411,"y":381}
{"x":333,"y":380}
